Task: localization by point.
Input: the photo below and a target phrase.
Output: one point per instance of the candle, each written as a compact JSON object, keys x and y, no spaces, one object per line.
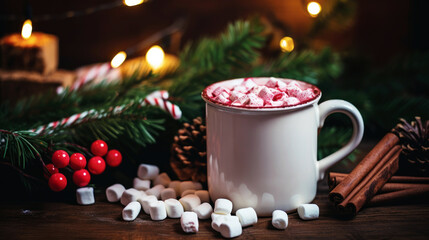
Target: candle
{"x":38,"y":53}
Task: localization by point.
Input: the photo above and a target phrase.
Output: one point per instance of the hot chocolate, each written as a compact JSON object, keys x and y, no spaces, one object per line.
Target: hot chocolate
{"x":261,"y":93}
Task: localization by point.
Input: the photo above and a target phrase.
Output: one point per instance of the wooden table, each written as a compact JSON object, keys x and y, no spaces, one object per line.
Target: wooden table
{"x":59,"y":220}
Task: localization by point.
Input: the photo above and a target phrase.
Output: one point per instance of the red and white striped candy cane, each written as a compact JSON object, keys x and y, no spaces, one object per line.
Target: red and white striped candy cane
{"x":167,"y":106}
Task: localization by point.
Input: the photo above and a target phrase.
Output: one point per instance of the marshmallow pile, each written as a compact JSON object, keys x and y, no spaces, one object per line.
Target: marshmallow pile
{"x":271,"y":93}
{"x":158,"y":196}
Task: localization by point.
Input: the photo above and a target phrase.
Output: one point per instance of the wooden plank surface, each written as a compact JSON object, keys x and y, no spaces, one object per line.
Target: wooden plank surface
{"x":59,"y":220}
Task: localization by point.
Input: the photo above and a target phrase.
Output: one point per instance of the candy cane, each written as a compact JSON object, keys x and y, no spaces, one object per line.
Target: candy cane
{"x":167,"y":106}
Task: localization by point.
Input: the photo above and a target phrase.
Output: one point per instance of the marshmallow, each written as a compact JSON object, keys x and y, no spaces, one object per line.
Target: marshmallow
{"x":223,"y":206}
{"x":176,"y":186}
{"x":186,"y":185}
{"x":156,"y":190}
{"x":168,"y":193}
{"x":266,"y":94}
{"x":114,"y":192}
{"x":203,"y":211}
{"x":189,"y":222}
{"x":147,"y":171}
{"x":230,"y":229}
{"x":141,"y":184}
{"x":174,"y":208}
{"x":248,"y":83}
{"x":241,"y":101}
{"x":157,"y":211}
{"x":271,"y":83}
{"x":162,"y":179}
{"x":247,"y":216}
{"x":235,"y":95}
{"x":217,"y":215}
{"x":146,"y":201}
{"x":190,"y":201}
{"x":220,"y":90}
{"x":306,"y":94}
{"x":203,"y":195}
{"x":222,"y":98}
{"x":219,"y":219}
{"x":308,"y":211}
{"x":130,"y":195}
{"x":280,"y":219}
{"x":291,"y":101}
{"x":85,"y":196}
{"x":255,"y":101}
{"x":131,"y":211}
{"x":187,"y":192}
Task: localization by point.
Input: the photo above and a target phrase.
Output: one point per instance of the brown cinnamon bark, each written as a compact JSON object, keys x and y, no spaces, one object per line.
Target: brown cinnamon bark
{"x":355,"y":201}
{"x":371,"y":160}
{"x":394,"y":179}
{"x":420,"y":191}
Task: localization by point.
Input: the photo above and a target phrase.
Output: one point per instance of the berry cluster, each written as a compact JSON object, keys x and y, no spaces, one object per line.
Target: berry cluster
{"x":77,"y":162}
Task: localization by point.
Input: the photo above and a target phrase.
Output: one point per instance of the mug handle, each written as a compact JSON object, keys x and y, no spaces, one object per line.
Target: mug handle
{"x":334,"y":106}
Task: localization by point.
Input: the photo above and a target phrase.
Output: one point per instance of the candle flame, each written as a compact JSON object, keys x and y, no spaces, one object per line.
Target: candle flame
{"x":314,"y":9}
{"x":27,"y":28}
{"x":131,"y":3}
{"x":286,"y":44}
{"x":118,"y":59}
{"x":155,"y":56}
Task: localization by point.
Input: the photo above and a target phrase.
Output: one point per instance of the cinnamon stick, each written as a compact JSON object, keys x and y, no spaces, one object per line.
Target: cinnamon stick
{"x":388,"y":187}
{"x":394,"y":179}
{"x":370,"y":161}
{"x":398,"y":196}
{"x":355,"y":201}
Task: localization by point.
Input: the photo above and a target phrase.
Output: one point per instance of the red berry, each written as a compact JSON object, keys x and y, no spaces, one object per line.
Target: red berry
{"x":57,"y":182}
{"x":51,"y":169}
{"x":81,"y":178}
{"x":96,"y":165}
{"x":77,"y":161}
{"x":114,"y":158}
{"x":99,"y":148}
{"x":60,"y":158}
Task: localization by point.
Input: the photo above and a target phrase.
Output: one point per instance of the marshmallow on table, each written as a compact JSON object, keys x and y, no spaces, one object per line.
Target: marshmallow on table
{"x":203,"y":211}
{"x":146,"y":201}
{"x":190,"y":201}
{"x":85,"y":196}
{"x":162,"y":179}
{"x":174,"y":208}
{"x":203,"y":195}
{"x":187,"y":192}
{"x":168,"y":193}
{"x":189,"y":222}
{"x":131,"y":211}
{"x":130,"y":195}
{"x":218,"y":219}
{"x":186,"y":185}
{"x":156,"y":190}
{"x":230,"y":229}
{"x":157,"y":211}
{"x":223,"y":206}
{"x":247,"y":216}
{"x":176,"y":186}
{"x":308,"y":211}
{"x":147,"y":171}
{"x":114,"y":192}
{"x":141,"y":184}
{"x":280,"y":219}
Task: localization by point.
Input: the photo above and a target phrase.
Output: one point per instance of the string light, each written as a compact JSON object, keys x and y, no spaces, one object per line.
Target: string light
{"x":314,"y":8}
{"x":155,"y":56}
{"x":131,"y":3}
{"x":118,"y":59}
{"x":27,"y":29}
{"x":286,"y":44}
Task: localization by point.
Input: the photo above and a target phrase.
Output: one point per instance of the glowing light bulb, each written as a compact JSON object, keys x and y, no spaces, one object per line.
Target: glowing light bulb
{"x":131,"y":3}
{"x":314,"y":9}
{"x":27,"y":28}
{"x":286,"y":44}
{"x":155,"y":56}
{"x":118,"y":59}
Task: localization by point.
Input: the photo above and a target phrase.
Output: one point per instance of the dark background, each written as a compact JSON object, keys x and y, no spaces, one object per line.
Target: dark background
{"x":379,"y":30}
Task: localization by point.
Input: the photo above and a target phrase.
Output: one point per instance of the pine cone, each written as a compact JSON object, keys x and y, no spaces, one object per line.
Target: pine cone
{"x":188,"y":152}
{"x":414,"y":139}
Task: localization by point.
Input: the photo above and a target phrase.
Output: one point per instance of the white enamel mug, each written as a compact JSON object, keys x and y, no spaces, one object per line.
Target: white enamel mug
{"x":265,"y":158}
